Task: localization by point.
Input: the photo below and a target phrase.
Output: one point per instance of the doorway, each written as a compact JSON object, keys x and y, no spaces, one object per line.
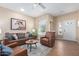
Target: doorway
{"x":69,"y":30}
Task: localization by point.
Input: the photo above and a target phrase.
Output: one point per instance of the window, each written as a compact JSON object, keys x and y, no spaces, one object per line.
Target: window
{"x":42,"y":26}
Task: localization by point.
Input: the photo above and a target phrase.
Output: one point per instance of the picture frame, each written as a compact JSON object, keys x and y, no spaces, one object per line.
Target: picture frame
{"x":18,"y":24}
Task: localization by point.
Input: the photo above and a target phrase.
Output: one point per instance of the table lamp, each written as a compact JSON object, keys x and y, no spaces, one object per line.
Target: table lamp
{"x":33,"y":30}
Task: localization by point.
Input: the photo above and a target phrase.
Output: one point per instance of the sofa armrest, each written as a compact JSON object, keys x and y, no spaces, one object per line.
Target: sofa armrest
{"x":12,"y":45}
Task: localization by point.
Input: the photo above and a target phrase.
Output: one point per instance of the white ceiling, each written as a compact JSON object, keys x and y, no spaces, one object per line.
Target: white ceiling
{"x":54,"y":9}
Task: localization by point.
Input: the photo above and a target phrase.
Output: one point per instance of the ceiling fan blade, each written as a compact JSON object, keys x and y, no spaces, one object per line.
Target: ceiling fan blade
{"x":41,"y":5}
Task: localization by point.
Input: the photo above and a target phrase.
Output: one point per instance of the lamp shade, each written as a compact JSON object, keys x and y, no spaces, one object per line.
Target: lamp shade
{"x":33,"y":30}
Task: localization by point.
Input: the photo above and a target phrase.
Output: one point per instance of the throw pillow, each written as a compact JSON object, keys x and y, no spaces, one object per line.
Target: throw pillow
{"x":10,"y":37}
{"x":15,"y":36}
{"x":6,"y":51}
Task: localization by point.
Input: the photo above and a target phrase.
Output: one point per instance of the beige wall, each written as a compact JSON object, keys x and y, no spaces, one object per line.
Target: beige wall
{"x":52,"y":22}
{"x":70,"y":16}
{"x":48,"y":19}
{"x":5,"y":20}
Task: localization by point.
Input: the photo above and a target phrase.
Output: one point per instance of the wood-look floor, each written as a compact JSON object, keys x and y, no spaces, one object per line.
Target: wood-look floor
{"x":65,"y":48}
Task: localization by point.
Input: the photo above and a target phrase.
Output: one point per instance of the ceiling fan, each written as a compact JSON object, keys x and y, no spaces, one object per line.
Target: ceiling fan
{"x":39,"y":4}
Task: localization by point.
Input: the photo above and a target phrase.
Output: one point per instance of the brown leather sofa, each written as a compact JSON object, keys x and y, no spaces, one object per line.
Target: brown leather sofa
{"x":21,"y":38}
{"x":48,"y":39}
{"x":17,"y":51}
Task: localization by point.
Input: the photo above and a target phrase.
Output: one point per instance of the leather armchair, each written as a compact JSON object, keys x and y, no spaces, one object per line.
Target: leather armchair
{"x":48,"y":40}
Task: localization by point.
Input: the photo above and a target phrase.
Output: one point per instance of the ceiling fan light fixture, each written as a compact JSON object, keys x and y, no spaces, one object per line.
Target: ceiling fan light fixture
{"x":35,"y":4}
{"x":22,"y":9}
{"x":39,"y":4}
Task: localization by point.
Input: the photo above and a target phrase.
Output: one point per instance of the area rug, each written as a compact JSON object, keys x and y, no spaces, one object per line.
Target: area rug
{"x":40,"y":50}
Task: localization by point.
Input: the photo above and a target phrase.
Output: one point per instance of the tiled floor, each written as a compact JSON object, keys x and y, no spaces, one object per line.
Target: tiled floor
{"x":65,"y":48}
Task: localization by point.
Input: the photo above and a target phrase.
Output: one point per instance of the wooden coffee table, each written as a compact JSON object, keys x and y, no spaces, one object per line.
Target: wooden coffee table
{"x":30,"y":42}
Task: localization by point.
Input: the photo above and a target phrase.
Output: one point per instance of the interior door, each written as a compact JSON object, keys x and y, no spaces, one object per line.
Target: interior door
{"x":69,"y":30}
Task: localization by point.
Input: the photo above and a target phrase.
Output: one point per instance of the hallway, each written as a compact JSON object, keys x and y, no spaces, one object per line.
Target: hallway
{"x":65,"y":48}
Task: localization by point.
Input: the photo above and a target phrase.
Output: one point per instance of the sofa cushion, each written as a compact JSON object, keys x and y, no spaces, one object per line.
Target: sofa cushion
{"x":20,"y":35}
{"x":17,"y":51}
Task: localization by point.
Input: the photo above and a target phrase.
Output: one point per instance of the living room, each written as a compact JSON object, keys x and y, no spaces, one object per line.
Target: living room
{"x":39,"y":29}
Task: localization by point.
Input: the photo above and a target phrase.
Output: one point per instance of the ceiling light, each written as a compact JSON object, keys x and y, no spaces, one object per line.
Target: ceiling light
{"x":22,"y":9}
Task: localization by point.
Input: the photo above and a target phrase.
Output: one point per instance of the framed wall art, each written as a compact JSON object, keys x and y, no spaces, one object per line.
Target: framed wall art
{"x":18,"y":24}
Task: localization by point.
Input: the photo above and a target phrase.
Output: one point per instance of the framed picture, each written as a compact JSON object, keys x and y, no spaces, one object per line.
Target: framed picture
{"x":18,"y":24}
